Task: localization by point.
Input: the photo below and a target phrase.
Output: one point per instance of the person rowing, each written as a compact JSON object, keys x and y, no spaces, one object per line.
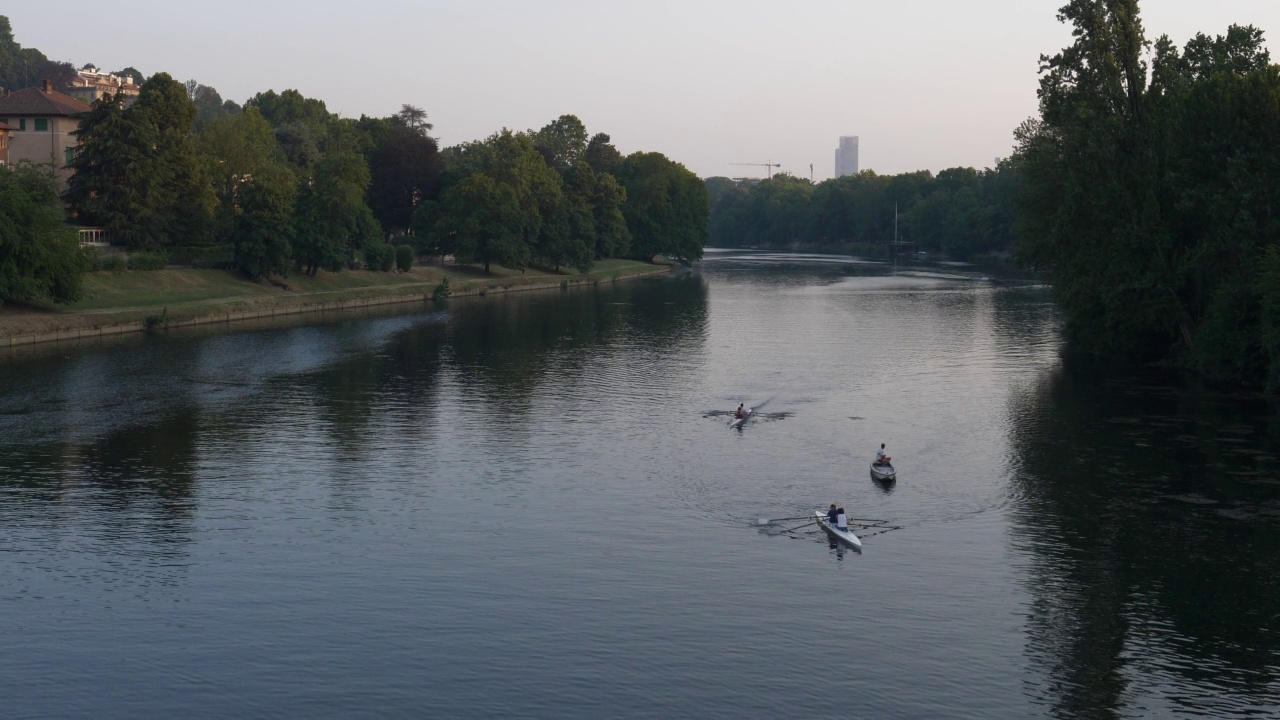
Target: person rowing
{"x":881,"y":458}
{"x":833,"y":515}
{"x":741,"y":412}
{"x":842,"y":521}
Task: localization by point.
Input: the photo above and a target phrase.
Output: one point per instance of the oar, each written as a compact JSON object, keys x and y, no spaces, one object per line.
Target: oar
{"x":766,"y":521}
{"x":799,"y":526}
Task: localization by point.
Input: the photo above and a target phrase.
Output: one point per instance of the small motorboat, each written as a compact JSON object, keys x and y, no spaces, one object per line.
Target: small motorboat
{"x":845,"y":536}
{"x":883,"y":473}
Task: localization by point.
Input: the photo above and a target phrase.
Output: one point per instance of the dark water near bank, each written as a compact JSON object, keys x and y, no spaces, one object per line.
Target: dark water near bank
{"x":524,"y":507}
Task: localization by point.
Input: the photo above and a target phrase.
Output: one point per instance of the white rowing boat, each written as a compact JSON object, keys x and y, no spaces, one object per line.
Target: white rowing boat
{"x":883,"y":472}
{"x":739,"y":422}
{"x":845,"y":536}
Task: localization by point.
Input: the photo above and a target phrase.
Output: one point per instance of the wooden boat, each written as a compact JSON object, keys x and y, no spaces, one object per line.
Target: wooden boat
{"x":739,"y":422}
{"x":883,"y":473}
{"x":845,"y":536}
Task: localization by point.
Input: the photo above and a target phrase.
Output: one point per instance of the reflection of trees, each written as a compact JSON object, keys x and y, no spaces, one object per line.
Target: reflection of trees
{"x":137,"y":481}
{"x":1116,"y":563}
{"x":504,"y":347}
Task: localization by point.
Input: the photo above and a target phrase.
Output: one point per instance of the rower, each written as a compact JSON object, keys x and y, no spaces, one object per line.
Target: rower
{"x":741,"y":412}
{"x":881,"y":458}
{"x":833,"y":514}
{"x":842,"y":522}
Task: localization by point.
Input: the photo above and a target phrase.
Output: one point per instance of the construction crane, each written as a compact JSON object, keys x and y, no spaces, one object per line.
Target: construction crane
{"x":770,"y":165}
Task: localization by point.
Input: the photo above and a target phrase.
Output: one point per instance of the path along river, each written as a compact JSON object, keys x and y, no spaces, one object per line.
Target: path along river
{"x":526,"y":506}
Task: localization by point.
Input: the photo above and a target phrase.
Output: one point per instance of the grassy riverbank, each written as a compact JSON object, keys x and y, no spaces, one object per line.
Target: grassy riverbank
{"x":115,"y":298}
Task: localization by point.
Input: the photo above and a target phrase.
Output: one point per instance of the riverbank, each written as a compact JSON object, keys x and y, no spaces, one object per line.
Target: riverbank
{"x":119,"y":302}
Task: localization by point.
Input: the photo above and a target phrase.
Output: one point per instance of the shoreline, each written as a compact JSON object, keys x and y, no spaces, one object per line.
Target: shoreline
{"x":65,"y":326}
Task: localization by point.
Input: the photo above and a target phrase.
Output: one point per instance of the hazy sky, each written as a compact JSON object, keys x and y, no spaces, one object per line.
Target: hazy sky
{"x":924,"y":83}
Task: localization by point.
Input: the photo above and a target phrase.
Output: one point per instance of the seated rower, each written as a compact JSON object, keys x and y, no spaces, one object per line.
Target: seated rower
{"x":832,"y":515}
{"x":740,"y":413}
{"x":842,"y":522}
{"x":881,"y":458}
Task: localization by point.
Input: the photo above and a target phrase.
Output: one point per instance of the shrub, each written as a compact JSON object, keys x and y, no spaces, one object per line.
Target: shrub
{"x":112,"y":261}
{"x":386,"y":258}
{"x":404,"y":257}
{"x":442,"y":292}
{"x":148,"y":261}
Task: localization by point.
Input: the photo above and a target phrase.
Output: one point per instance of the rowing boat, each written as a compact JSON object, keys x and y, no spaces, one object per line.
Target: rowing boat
{"x":845,"y":536}
{"x":883,"y":472}
{"x":739,"y":422}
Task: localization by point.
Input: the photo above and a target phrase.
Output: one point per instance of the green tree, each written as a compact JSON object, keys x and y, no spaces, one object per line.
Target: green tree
{"x":406,"y":169}
{"x":481,"y":221}
{"x":264,"y":225}
{"x":40,"y":257}
{"x":289,"y":107}
{"x":613,"y":239}
{"x":233,"y":150}
{"x":119,"y":182}
{"x":667,"y":208}
{"x":331,"y":218}
{"x":564,"y":140}
{"x":601,"y":155}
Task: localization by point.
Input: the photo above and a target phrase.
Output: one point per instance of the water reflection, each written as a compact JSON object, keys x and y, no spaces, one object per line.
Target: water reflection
{"x":1143,"y":525}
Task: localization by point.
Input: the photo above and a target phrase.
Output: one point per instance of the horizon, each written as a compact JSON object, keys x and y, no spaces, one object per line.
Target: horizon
{"x":730,"y":82}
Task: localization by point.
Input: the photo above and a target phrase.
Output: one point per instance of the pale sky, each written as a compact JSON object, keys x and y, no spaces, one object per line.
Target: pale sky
{"x":925,"y":84}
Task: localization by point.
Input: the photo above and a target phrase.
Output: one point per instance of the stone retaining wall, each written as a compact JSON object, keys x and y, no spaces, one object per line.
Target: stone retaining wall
{"x":298,"y":309}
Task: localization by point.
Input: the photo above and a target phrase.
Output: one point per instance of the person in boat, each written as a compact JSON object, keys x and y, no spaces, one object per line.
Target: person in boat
{"x":833,"y":515}
{"x":881,"y":458}
{"x":741,"y":412}
{"x":842,"y":521}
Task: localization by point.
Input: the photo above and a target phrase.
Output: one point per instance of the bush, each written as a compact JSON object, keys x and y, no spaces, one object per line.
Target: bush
{"x":404,"y":257}
{"x":148,"y":261}
{"x":380,"y":257}
{"x":442,"y":292}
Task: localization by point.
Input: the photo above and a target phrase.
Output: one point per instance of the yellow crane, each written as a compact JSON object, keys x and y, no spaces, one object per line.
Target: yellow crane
{"x":770,"y":165}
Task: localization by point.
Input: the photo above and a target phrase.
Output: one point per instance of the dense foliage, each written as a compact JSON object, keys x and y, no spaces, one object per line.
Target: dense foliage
{"x":39,"y":254}
{"x":961,"y":211}
{"x":1151,"y":196}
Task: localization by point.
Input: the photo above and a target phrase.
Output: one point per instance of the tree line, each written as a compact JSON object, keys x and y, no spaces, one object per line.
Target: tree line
{"x":293,"y":187}
{"x":1151,"y":194}
{"x":283,"y":185}
{"x":961,"y":211}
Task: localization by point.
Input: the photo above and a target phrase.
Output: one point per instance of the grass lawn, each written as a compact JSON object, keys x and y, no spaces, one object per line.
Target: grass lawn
{"x":131,"y":295}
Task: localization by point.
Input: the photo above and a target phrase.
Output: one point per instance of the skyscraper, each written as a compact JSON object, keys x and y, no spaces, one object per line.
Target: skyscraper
{"x":847,"y":156}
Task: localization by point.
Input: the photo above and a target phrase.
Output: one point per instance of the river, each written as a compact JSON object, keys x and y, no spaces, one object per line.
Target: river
{"x":531,"y":506}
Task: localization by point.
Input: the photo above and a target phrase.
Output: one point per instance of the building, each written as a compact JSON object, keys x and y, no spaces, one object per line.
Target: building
{"x":6,"y":132}
{"x":847,"y":156}
{"x":89,"y":85}
{"x":43,"y":121}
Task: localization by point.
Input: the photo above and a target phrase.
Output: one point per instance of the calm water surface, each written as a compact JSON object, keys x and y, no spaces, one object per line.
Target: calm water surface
{"x":530,"y":506}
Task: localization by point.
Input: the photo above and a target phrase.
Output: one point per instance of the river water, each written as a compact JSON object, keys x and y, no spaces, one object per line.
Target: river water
{"x":530,"y":505}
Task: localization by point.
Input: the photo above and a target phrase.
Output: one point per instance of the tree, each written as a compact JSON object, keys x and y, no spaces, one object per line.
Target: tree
{"x":612,"y":237}
{"x":406,"y":169}
{"x":481,"y":221}
{"x":264,"y":228}
{"x":667,"y":208}
{"x":187,"y":202}
{"x":233,"y":150}
{"x":289,"y":107}
{"x":564,"y":140}
{"x":209,"y":104}
{"x":331,"y":218}
{"x":601,"y":155}
{"x":40,"y":257}
{"x":119,"y":183}
{"x":414,"y":118}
